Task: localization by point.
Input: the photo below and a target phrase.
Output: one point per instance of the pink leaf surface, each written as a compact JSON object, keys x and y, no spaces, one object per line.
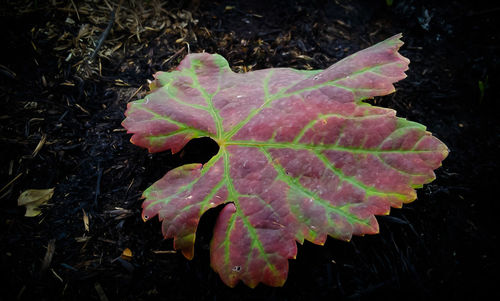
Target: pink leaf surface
{"x":301,"y":156}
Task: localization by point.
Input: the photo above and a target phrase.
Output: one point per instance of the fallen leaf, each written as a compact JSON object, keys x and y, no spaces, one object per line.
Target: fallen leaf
{"x":32,"y":199}
{"x":301,"y":156}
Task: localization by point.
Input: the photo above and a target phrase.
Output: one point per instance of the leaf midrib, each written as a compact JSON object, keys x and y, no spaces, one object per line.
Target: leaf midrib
{"x":321,"y":147}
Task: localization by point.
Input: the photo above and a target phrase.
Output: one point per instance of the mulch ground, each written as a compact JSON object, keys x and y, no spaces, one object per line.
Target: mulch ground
{"x":68,"y":69}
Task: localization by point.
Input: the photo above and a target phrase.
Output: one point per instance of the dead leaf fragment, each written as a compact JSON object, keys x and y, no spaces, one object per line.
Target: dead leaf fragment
{"x":127,"y":254}
{"x":32,"y":199}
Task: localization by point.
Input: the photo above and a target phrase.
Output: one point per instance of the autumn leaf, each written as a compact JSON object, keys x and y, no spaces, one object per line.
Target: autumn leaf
{"x":301,"y":157}
{"x":32,"y":199}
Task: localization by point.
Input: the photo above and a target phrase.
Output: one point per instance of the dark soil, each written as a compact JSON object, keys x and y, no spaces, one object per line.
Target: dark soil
{"x":60,"y":127}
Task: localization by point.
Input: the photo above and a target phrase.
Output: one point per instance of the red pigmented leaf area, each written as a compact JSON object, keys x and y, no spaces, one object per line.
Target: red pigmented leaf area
{"x":301,"y":156}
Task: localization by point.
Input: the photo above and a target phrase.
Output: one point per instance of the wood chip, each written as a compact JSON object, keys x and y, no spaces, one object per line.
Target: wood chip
{"x":86,"y":221}
{"x":51,"y":248}
{"x":100,"y":292}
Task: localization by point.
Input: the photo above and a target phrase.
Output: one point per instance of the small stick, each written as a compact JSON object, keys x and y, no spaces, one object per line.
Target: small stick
{"x":173,"y":55}
{"x":104,"y":35}
{"x":98,"y":185}
{"x":134,"y":94}
{"x":76,"y":10}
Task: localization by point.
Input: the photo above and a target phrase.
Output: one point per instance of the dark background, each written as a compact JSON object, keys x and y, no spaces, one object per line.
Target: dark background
{"x":440,"y":246}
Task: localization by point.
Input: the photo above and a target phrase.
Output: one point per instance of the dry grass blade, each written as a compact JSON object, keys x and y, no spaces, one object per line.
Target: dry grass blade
{"x":11,"y":182}
{"x":39,"y":145}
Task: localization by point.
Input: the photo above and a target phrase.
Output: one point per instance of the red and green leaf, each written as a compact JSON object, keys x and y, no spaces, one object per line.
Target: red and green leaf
{"x":301,"y":156}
